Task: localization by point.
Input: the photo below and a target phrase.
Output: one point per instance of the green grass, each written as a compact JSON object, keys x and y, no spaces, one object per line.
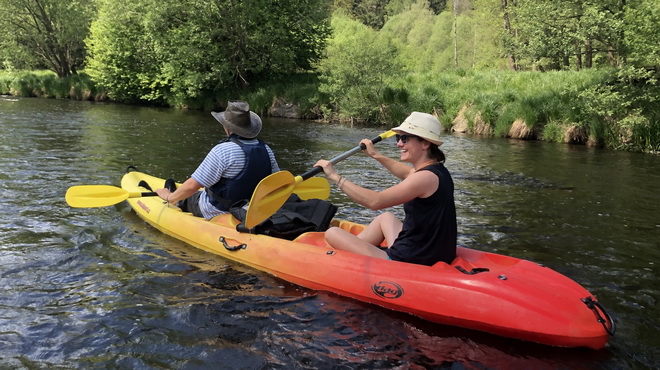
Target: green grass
{"x":45,"y":84}
{"x":616,"y":110}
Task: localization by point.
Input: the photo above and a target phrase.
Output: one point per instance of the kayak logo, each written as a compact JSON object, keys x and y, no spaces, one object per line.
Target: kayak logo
{"x":387,"y":289}
{"x":143,"y":206}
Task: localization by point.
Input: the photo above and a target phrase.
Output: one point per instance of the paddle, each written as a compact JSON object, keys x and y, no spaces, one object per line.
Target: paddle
{"x":313,"y":188}
{"x":90,"y":196}
{"x":274,"y":190}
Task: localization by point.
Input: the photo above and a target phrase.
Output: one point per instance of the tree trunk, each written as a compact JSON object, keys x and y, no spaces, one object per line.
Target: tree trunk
{"x":455,"y":34}
{"x":611,"y":54}
{"x":588,"y":54}
{"x":507,"y":28}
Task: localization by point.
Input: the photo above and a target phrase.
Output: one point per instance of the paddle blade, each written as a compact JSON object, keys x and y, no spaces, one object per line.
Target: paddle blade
{"x":313,"y":188}
{"x":269,"y":195}
{"x":89,"y":196}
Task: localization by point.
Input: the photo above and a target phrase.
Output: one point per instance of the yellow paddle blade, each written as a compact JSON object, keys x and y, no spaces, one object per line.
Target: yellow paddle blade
{"x":88,"y":196}
{"x":269,"y":195}
{"x":313,"y":188}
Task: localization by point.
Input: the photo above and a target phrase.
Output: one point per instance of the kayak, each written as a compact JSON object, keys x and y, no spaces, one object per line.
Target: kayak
{"x":482,"y":291}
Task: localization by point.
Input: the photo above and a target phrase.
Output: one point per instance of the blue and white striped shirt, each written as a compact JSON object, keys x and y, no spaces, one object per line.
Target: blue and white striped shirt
{"x":224,"y":160}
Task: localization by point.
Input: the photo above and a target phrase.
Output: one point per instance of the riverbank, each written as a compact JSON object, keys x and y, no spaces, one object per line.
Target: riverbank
{"x":615,"y":109}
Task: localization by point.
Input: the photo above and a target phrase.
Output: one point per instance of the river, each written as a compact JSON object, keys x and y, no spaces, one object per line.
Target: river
{"x":98,"y":288}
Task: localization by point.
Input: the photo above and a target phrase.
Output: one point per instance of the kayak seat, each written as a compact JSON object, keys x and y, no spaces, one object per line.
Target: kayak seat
{"x":312,"y":238}
{"x":351,"y":227}
{"x":466,"y":267}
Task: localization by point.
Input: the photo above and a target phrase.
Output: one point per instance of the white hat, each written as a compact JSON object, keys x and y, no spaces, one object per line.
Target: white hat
{"x":423,"y":125}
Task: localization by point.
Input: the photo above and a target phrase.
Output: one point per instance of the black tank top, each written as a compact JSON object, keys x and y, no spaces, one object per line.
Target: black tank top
{"x":429,"y":227}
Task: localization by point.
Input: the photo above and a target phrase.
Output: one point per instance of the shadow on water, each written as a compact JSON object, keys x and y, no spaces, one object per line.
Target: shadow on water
{"x":96,"y":288}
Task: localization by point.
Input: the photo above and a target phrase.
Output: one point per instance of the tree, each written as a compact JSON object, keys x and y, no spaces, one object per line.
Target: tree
{"x":508,"y":32}
{"x":178,"y":51}
{"x":567,"y":33}
{"x":413,"y":32}
{"x":50,"y":32}
{"x":356,"y":68}
{"x":641,"y":31}
{"x":395,"y":7}
{"x":121,"y":54}
{"x":368,"y":12}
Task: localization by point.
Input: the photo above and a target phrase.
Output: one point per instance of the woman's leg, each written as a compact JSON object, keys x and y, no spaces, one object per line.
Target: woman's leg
{"x":343,"y":240}
{"x":386,"y":227}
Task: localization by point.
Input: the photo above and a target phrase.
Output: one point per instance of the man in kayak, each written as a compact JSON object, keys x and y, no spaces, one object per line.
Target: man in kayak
{"x":428,"y":232}
{"x":231,"y":170}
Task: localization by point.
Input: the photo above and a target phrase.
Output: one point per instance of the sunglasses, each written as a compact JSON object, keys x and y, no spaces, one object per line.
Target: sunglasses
{"x":404,"y":138}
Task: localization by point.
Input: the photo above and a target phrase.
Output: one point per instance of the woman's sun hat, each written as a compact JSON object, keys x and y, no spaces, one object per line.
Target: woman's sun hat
{"x":423,"y":125}
{"x":238,"y":119}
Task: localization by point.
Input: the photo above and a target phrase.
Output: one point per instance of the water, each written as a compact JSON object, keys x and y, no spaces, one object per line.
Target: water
{"x":98,"y":288}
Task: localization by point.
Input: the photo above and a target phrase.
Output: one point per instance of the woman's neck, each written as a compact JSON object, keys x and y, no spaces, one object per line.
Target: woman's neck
{"x":423,"y":163}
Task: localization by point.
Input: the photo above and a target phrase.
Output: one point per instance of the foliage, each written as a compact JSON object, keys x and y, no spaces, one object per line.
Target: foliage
{"x":179,"y":52}
{"x":630,"y":100}
{"x":45,"y":33}
{"x":355,"y":71}
{"x":301,"y":89}
{"x":575,"y":34}
{"x":375,"y":13}
{"x":46,"y":84}
{"x":383,"y":59}
{"x":426,"y":41}
{"x":641,"y":29}
{"x":121,"y":57}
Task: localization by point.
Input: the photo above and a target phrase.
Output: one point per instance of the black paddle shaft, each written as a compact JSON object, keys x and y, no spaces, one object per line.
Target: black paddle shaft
{"x":340,"y":157}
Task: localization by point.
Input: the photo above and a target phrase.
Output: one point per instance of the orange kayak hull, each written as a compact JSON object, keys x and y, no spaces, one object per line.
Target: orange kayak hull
{"x":483,"y":291}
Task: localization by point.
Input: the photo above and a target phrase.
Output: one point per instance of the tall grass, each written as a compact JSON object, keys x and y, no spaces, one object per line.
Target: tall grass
{"x":598,"y":104}
{"x":551,"y":104}
{"x":45,"y":84}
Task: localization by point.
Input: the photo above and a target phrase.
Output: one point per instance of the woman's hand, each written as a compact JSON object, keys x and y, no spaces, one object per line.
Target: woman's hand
{"x":328,"y":169}
{"x":369,"y":148}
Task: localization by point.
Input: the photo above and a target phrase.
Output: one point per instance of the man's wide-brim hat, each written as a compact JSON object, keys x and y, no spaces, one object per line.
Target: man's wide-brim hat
{"x":423,"y":125}
{"x":238,"y":119}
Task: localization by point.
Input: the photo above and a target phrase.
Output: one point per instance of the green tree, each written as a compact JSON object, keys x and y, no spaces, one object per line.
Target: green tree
{"x":181,"y":52}
{"x":641,"y":32}
{"x":121,"y":54}
{"x":48,"y":33}
{"x":565,"y":34}
{"x":368,"y":12}
{"x":356,"y":69}
{"x":490,"y":28}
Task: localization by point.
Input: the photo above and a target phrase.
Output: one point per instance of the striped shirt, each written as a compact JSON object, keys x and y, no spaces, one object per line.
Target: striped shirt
{"x":226,"y":160}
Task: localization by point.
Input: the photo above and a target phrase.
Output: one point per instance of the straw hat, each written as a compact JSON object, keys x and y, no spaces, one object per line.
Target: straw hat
{"x":423,"y":125}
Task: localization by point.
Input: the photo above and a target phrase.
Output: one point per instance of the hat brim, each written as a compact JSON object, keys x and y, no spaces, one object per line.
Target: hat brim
{"x":432,"y":141}
{"x":248,"y":132}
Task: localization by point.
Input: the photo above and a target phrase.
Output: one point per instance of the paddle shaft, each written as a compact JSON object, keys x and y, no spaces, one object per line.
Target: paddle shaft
{"x":273,"y":191}
{"x":145,"y":194}
{"x":345,"y":155}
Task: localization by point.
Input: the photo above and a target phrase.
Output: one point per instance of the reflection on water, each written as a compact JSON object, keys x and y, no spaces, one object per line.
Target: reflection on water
{"x":99,"y":288}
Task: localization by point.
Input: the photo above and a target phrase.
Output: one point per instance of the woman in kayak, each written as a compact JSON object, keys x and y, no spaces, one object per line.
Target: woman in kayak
{"x":428,"y":232}
{"x":231,"y":170}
